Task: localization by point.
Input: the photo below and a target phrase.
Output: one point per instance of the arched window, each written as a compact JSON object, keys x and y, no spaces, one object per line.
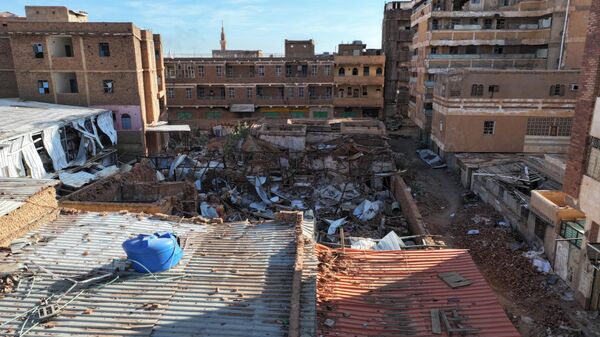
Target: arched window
{"x":126,"y":122}
{"x":354,"y":71}
{"x":342,"y":72}
{"x":379,"y":72}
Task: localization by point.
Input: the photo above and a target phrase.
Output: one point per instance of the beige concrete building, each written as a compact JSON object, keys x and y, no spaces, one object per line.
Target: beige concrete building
{"x":359,"y":81}
{"x":511,"y":111}
{"x":490,"y":34}
{"x":55,"y":55}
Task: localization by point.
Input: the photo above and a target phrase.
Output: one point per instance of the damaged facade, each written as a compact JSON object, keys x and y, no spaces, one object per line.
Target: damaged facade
{"x":55,"y":55}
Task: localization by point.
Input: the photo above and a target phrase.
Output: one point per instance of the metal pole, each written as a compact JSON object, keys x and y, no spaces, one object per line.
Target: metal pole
{"x":564,"y":33}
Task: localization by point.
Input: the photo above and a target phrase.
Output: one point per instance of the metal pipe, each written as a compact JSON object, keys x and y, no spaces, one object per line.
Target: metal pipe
{"x":564,"y":33}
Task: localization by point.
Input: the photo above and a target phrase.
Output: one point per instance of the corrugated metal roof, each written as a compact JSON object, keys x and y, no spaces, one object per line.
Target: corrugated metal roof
{"x":14,"y":191}
{"x":22,"y":117}
{"x":236,"y":280}
{"x":392,"y":293}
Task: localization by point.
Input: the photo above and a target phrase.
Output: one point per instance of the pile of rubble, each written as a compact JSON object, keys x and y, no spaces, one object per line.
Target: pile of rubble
{"x":501,"y":255}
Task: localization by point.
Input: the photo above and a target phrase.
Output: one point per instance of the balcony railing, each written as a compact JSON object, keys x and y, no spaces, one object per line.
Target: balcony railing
{"x":593,"y":253}
{"x":211,"y":98}
{"x":482,"y":56}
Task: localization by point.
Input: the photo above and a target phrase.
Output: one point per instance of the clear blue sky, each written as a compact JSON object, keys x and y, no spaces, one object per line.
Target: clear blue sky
{"x":193,"y":26}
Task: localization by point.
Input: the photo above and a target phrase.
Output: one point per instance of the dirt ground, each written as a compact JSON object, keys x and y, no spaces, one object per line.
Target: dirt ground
{"x":448,"y":210}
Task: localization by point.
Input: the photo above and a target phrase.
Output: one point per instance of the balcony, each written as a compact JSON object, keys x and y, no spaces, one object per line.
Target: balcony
{"x":212,"y":100}
{"x":498,"y":61}
{"x":359,"y":80}
{"x":552,"y":207}
{"x":593,"y":253}
{"x":358,"y":101}
{"x":510,"y":36}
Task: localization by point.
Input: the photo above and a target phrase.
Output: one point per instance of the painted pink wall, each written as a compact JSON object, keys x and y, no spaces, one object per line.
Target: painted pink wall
{"x":133,"y":111}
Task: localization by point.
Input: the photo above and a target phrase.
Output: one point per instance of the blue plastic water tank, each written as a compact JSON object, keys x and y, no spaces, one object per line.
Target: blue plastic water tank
{"x":157,"y":252}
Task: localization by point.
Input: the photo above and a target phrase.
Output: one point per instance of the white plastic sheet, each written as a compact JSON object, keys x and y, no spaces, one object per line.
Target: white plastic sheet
{"x":334,"y":225}
{"x":53,"y":145}
{"x":390,"y":242}
{"x":367,"y":210}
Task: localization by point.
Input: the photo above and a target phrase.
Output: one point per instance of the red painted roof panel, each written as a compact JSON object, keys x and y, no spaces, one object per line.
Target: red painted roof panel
{"x":392,"y":293}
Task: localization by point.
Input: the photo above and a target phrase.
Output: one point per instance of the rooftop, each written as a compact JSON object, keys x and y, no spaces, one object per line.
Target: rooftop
{"x":15,"y":191}
{"x":398,"y":293}
{"x":25,"y":117}
{"x":233,"y":280}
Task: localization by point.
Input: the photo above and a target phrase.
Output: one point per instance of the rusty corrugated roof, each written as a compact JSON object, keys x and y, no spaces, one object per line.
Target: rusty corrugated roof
{"x":392,"y":293}
{"x":235,"y":280}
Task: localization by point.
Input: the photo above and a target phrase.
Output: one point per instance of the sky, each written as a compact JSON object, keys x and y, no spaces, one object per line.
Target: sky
{"x":193,"y":26}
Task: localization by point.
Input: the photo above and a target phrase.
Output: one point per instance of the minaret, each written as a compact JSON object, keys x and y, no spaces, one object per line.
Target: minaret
{"x":223,"y":41}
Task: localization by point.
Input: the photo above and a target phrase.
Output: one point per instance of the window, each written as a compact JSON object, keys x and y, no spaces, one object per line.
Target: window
{"x":184,"y":115}
{"x":433,"y":50}
{"x":320,"y":114}
{"x":43,"y":87}
{"x":290,"y":92}
{"x":593,"y":160}
{"x":349,"y":92}
{"x":231,"y":92}
{"x":540,"y":228}
{"x":487,"y":24}
{"x":488,"y":127}
{"x":219,"y":70}
{"x":366,"y":71}
{"x":301,"y":92}
{"x":103,"y":49}
{"x":498,"y":50}
{"x":259,"y":92}
{"x":278,"y":70}
{"x":557,"y":90}
{"x":572,"y":230}
{"x":355,"y":93}
{"x":170,"y":71}
{"x":341,"y":72}
{"x":188,"y":71}
{"x":500,"y":23}
{"x":354,"y":71}
{"x":471,"y":50}
{"x":477,"y":90}
{"x":170,"y":93}
{"x":574,"y":87}
{"x":365,"y":92}
{"x":435,"y":24}
{"x":453,"y":50}
{"x":261,"y":71}
{"x":73,"y":87}
{"x":38,"y":51}
{"x":327,"y":69}
{"x":328,"y":91}
{"x":200,"y":92}
{"x":379,"y":72}
{"x":229,"y":71}
{"x":200,"y":71}
{"x":108,"y":86}
{"x":475,"y":2}
{"x":311,"y":92}
{"x":314,"y":70}
{"x":297,"y":114}
{"x":493,"y":88}
{"x":549,"y":126}
{"x":249,"y":92}
{"x":213,"y":115}
{"x":188,"y":93}
{"x":125,"y":122}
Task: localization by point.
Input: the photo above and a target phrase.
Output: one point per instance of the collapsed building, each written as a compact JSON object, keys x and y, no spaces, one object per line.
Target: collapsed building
{"x":42,"y":140}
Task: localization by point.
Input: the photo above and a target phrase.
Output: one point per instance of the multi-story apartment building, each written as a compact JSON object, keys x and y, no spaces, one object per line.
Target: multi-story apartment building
{"x":55,"y":55}
{"x":582,"y":178}
{"x":235,"y":85}
{"x":504,"y":36}
{"x":359,"y":81}
{"x":395,"y":43}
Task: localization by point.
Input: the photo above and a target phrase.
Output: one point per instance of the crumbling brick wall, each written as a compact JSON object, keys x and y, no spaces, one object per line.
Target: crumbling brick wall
{"x":39,"y":209}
